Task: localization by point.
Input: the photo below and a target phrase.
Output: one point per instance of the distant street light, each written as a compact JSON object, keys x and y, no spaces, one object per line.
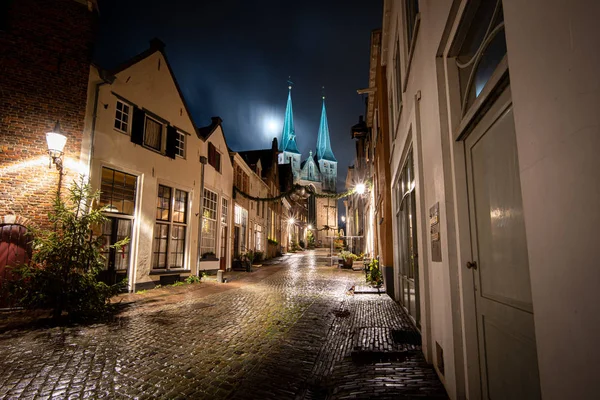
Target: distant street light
{"x":360,"y":188}
{"x":310,"y":226}
{"x":343,"y":218}
{"x":291,"y":221}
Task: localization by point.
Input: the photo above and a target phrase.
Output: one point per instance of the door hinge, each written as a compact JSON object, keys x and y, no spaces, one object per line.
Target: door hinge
{"x":472,"y":264}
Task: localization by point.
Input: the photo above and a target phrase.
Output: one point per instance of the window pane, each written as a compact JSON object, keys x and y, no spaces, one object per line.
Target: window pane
{"x":163,"y":203}
{"x":482,"y":49}
{"x":177,"y":247}
{"x":179,"y":213}
{"x":121,"y":116}
{"x":153,"y":134}
{"x":118,"y":191}
{"x":159,"y":246}
{"x":180,"y":145}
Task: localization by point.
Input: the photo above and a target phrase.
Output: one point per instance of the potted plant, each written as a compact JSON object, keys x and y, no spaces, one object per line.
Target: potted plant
{"x":249,"y":256}
{"x":374,"y":276}
{"x":348,"y":258}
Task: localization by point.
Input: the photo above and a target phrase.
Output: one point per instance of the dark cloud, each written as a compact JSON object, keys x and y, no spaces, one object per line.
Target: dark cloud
{"x":232,"y":58}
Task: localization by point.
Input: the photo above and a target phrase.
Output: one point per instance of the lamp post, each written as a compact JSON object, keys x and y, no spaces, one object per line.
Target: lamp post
{"x":56,"y":141}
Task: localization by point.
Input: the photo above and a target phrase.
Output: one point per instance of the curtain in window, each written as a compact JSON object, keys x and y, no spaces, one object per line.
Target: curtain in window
{"x":152,"y":137}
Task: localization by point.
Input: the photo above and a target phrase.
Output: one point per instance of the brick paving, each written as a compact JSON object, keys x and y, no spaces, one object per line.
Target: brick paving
{"x":287,"y":331}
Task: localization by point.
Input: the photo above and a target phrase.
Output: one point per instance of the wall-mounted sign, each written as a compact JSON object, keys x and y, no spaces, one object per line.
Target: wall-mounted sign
{"x":434,"y":228}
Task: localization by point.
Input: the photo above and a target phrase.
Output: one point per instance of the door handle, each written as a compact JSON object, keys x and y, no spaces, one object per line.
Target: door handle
{"x":472,"y":264}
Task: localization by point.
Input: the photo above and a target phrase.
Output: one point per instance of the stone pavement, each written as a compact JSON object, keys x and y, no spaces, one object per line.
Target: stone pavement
{"x":286,"y":331}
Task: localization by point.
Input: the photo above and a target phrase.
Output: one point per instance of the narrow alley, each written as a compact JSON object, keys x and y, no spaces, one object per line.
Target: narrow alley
{"x":287,"y":331}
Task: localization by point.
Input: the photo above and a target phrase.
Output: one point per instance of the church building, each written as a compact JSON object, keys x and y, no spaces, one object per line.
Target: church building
{"x":318,"y":170}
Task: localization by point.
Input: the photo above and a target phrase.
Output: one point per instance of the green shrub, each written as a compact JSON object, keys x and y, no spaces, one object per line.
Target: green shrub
{"x":374,"y":275}
{"x":194,"y":279}
{"x":347,"y":255}
{"x":178,"y":283}
{"x":67,"y":259}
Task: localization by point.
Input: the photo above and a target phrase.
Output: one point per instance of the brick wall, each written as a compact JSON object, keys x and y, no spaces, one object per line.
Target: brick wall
{"x":46,"y":48}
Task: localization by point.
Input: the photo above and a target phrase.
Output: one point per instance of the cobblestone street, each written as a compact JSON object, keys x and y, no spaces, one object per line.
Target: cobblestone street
{"x":287,"y":331}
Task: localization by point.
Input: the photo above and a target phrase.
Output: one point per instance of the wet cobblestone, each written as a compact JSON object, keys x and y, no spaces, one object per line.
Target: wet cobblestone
{"x":291,"y":335}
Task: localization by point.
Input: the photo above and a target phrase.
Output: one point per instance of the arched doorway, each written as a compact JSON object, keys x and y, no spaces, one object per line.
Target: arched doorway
{"x":15,"y":249}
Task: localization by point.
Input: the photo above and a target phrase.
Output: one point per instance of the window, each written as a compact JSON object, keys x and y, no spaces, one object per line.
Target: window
{"x":398,"y":78}
{"x":481,"y":50}
{"x":214,"y":157}
{"x":168,"y":247}
{"x":224,"y":211}
{"x":258,"y":238}
{"x":117,"y":191}
{"x":241,"y":219}
{"x":180,"y":145}
{"x":122,"y":117}
{"x":407,"y":238}
{"x":209,"y":223}
{"x":411,"y":12}
{"x":153,"y":134}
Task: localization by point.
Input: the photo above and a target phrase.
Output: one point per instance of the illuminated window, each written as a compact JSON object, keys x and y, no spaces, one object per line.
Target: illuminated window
{"x":153,"y":134}
{"x":117,"y":191}
{"x":168,"y":247}
{"x":209,"y":223}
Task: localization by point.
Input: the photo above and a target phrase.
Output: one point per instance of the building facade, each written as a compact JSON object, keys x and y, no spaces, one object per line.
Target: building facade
{"x":267,"y":176}
{"x":492,"y":125}
{"x":166,"y":184}
{"x":45,"y":68}
{"x":45,"y":62}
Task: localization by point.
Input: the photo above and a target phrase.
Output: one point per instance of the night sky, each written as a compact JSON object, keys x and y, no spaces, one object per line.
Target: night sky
{"x":232,"y":58}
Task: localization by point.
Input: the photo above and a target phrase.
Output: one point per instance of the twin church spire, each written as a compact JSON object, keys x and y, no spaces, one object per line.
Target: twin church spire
{"x":288,"y":137}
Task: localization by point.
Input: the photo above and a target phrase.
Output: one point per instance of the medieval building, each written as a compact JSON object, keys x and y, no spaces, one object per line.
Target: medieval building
{"x":318,"y":171}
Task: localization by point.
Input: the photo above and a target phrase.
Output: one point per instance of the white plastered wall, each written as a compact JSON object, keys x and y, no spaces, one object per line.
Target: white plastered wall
{"x":151,"y":87}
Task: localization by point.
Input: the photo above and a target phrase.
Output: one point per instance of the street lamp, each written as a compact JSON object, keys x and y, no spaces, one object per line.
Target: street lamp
{"x":360,"y":188}
{"x":343,"y":218}
{"x":56,"y":141}
{"x":291,"y":221}
{"x":310,"y":226}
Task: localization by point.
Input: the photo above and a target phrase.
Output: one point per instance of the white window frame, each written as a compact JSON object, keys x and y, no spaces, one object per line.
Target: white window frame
{"x":163,"y":135}
{"x":171,"y":223}
{"x":209,"y":198}
{"x":120,"y":120}
{"x":180,"y":146}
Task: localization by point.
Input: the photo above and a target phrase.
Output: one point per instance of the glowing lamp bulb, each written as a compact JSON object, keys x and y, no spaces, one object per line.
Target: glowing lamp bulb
{"x":291,"y":221}
{"x":343,"y":219}
{"x":360,"y":188}
{"x":309,"y":226}
{"x":56,"y":143}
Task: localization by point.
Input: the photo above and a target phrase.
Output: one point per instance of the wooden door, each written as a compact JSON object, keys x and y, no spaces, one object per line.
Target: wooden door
{"x":506,"y":336}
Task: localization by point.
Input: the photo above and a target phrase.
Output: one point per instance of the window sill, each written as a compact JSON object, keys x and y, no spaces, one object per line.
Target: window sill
{"x":169,"y":271}
{"x":121,"y":132}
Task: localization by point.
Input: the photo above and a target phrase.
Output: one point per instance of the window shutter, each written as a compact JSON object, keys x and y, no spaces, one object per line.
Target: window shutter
{"x":137,"y":126}
{"x":171,"y":141}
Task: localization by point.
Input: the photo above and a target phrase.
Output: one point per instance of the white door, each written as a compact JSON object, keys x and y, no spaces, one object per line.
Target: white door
{"x":507,"y":349}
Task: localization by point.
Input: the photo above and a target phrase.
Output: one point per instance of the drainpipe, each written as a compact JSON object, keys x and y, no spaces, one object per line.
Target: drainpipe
{"x":203,"y":161}
{"x":106,"y":79}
